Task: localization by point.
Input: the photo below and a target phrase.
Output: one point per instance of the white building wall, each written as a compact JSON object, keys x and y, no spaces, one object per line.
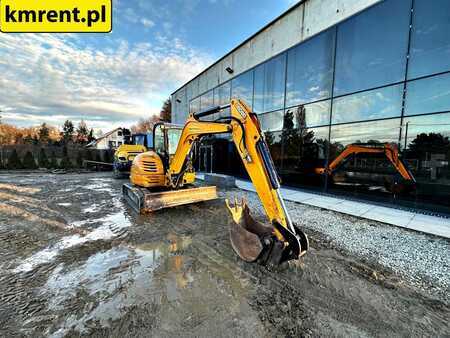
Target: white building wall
{"x":303,"y":22}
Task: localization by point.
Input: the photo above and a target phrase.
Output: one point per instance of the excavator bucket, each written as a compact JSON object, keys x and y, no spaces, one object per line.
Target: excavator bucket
{"x":246,"y":235}
{"x":144,"y":201}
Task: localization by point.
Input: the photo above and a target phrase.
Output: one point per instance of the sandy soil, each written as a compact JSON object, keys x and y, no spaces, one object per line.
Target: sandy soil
{"x":76,"y":261}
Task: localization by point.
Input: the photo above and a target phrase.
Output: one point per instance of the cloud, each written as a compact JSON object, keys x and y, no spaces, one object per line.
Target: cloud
{"x":50,"y":78}
{"x":147,"y":23}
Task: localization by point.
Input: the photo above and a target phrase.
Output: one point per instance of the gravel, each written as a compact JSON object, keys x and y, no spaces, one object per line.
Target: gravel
{"x":421,"y":259}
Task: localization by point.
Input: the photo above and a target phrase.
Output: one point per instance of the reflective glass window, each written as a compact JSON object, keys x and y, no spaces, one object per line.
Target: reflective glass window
{"x":372,"y":47}
{"x":222,"y":94}
{"x":310,"y":115}
{"x":271,"y":121}
{"x":194,"y":105}
{"x":207,"y":100}
{"x":269,"y":85}
{"x":374,"y":104}
{"x":258,"y":98}
{"x":430,"y":38}
{"x":429,"y":95}
{"x":426,"y":144}
{"x":273,"y":140}
{"x":375,"y":132}
{"x":304,"y":149}
{"x":222,"y":97}
{"x":427,"y":134}
{"x":242,"y":88}
{"x":274,"y":83}
{"x":310,"y":70}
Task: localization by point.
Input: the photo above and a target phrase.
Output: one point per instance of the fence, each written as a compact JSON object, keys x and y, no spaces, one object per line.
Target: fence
{"x":71,"y":155}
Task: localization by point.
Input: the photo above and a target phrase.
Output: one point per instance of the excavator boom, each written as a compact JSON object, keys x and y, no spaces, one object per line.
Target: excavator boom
{"x":284,"y":241}
{"x":172,"y":170}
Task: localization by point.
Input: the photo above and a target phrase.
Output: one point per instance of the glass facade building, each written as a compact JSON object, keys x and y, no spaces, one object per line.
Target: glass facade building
{"x":381,"y":76}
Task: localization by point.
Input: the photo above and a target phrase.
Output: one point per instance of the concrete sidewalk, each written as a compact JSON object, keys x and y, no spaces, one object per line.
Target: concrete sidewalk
{"x":434,"y":225}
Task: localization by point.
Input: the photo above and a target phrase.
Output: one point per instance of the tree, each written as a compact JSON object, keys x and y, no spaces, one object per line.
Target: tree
{"x":43,"y":159}
{"x":166,"y":111}
{"x":82,"y":133}
{"x":29,"y":161}
{"x":67,"y":133}
{"x":14,"y":161}
{"x":145,"y":125}
{"x":53,"y":161}
{"x":66,"y":163}
{"x":432,"y":143}
{"x":91,"y":137}
{"x":79,"y":159}
{"x":44,"y":134}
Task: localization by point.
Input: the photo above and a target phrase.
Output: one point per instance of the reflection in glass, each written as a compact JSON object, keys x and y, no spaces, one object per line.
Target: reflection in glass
{"x":304,"y":149}
{"x":258,"y":98}
{"x":430,"y":95}
{"x":207,"y":101}
{"x":430,"y":38}
{"x":271,"y":121}
{"x":372,"y":47}
{"x":273,"y":140}
{"x":194,"y":105}
{"x":310,"y":70}
{"x":242,"y":88}
{"x":370,"y":105}
{"x":269,"y":85}
{"x":426,"y":144}
{"x":315,"y":114}
{"x":366,"y":132}
{"x":222,"y":97}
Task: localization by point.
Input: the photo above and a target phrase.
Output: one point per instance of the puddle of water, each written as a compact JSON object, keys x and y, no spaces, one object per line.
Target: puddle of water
{"x":102,"y":185}
{"x":91,"y":209}
{"x":121,"y":277}
{"x":110,"y":227}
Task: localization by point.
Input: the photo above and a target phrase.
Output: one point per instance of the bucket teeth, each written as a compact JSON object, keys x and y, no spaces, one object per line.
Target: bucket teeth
{"x":245,"y":233}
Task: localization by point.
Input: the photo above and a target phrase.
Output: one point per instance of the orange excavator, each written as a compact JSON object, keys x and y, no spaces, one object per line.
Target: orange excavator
{"x":398,"y":185}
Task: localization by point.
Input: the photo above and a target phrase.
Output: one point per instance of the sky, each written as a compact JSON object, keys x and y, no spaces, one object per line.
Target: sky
{"x":112,"y":80}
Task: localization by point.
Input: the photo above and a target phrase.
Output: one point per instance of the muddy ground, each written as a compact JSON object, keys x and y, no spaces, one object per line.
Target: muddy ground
{"x":75,"y":261}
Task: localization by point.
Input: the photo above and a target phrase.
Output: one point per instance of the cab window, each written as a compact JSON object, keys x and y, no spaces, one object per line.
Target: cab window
{"x":139,"y":140}
{"x":173,"y":136}
{"x":159,"y":140}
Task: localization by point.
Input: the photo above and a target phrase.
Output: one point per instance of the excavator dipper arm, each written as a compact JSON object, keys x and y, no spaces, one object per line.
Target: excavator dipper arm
{"x":251,"y":240}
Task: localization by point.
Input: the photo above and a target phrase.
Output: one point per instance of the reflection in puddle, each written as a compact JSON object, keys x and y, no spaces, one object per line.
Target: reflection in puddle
{"x":109,"y":228}
{"x":120,"y":277}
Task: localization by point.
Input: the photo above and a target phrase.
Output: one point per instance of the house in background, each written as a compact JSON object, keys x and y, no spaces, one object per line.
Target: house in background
{"x":111,"y":140}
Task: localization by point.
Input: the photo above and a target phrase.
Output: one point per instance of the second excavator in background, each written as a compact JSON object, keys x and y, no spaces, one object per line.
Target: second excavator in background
{"x":163,"y":177}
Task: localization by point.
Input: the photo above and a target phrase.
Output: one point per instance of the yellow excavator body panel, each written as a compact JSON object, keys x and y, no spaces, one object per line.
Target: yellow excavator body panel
{"x":147,"y":170}
{"x":127,"y":152}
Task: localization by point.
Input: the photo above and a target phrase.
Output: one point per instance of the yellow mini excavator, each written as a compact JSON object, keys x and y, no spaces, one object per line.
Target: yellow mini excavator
{"x":162,"y":177}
